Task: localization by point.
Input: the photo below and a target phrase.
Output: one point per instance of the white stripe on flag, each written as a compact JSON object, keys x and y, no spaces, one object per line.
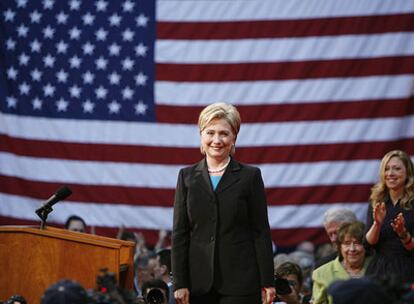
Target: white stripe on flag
{"x":284,"y":49}
{"x":165,"y":176}
{"x":285,"y":91}
{"x":230,"y":10}
{"x":169,"y":135}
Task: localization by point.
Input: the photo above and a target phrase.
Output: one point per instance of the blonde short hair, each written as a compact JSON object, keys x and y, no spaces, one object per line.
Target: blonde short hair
{"x":220,"y":110}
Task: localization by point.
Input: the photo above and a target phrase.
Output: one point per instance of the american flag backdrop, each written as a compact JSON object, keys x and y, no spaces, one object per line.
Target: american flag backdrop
{"x":103,"y":96}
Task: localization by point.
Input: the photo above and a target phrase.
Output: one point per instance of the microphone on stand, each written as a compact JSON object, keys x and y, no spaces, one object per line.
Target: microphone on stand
{"x":43,"y":211}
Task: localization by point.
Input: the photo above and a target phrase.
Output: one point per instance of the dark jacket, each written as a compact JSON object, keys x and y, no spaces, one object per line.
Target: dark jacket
{"x":323,"y":260}
{"x":221,"y":238}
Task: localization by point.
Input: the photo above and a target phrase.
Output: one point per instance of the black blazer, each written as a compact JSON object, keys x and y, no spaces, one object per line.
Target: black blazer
{"x":221,"y":238}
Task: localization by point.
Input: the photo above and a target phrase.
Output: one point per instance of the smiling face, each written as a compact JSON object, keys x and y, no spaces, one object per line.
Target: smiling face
{"x":352,"y":251}
{"x":395,"y":174}
{"x":217,"y":140}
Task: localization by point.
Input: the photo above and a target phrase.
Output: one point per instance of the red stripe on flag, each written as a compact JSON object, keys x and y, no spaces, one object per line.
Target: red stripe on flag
{"x":298,"y":112}
{"x":165,"y":197}
{"x":322,"y":152}
{"x":90,"y":193}
{"x":285,"y":70}
{"x":182,"y":156}
{"x":98,"y":152}
{"x":318,"y":195}
{"x":286,"y":28}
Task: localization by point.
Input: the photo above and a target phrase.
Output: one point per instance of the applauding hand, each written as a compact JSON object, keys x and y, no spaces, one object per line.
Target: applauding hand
{"x":398,"y":225}
{"x":379,"y":213}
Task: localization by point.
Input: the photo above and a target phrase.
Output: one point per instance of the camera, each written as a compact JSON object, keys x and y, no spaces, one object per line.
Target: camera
{"x":155,"y":296}
{"x":282,"y":286}
{"x":108,"y":292}
{"x":16,"y":299}
{"x":155,"y":291}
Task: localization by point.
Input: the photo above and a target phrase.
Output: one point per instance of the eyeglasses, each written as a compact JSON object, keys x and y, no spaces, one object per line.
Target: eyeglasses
{"x":352,"y":244}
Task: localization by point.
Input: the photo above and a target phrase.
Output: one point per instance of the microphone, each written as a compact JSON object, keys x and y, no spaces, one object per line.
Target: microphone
{"x":62,"y":193}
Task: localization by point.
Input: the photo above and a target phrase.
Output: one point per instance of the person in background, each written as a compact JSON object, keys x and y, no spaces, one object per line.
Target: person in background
{"x":307,"y":247}
{"x":350,"y":263}
{"x":359,"y":291}
{"x":164,"y":240}
{"x":281,"y":258}
{"x":162,"y":270}
{"x":143,"y":269}
{"x":333,"y":218}
{"x":323,"y":250}
{"x":66,"y":292}
{"x":126,"y":235}
{"x":75,"y":223}
{"x":292,"y":272}
{"x":221,"y":244}
{"x":390,"y":218}
{"x":141,"y":248}
{"x":305,"y":258}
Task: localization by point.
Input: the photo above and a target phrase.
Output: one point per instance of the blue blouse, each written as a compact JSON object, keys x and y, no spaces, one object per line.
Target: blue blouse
{"x":215,"y":179}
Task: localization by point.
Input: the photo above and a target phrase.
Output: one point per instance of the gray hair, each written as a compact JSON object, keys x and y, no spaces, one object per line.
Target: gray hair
{"x":339,"y":215}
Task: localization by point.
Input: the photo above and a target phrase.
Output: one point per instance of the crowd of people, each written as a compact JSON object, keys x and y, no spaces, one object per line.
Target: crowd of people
{"x":336,"y":276}
{"x":221,"y":251}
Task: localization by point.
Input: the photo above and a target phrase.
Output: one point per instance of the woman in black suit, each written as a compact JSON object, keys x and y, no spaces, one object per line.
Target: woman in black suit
{"x":221,"y":244}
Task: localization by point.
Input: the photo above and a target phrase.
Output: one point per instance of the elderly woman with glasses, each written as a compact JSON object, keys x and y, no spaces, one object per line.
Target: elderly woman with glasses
{"x":350,"y":263}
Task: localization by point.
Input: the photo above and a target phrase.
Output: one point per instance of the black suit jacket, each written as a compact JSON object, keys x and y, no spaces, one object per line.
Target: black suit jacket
{"x":221,"y":238}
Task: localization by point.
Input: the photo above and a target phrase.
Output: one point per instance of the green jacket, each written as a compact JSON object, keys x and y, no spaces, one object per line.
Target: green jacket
{"x":323,"y":276}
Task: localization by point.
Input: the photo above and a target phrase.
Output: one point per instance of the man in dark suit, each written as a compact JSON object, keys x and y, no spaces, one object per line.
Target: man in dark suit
{"x":221,"y":246}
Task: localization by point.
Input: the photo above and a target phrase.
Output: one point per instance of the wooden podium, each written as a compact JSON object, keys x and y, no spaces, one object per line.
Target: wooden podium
{"x":32,"y":259}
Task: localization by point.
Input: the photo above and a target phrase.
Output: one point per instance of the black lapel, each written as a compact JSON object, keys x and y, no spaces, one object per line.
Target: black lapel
{"x":230,"y":176}
{"x":202,"y":177}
